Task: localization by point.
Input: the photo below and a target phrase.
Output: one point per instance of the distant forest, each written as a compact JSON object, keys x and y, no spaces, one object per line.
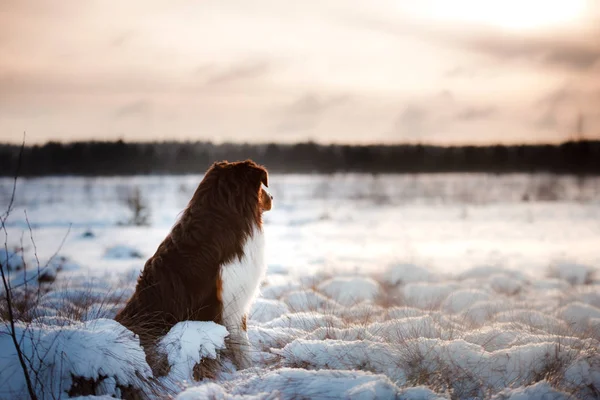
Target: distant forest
{"x":122,"y":158}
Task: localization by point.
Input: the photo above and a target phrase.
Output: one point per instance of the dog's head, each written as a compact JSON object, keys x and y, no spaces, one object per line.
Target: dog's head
{"x":238,"y":186}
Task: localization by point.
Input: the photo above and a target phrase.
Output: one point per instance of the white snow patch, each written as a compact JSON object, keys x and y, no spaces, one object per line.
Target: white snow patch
{"x":307,"y":321}
{"x":575,"y":274}
{"x":309,"y":300}
{"x":291,"y":383}
{"x":266,"y":338}
{"x":427,"y":295}
{"x":534,"y":319}
{"x":122,"y":252}
{"x":265,"y":310}
{"x":345,"y":355}
{"x":400,"y":330}
{"x":187,"y":343}
{"x":397,"y":274}
{"x":349,"y":291}
{"x":91,"y":350}
{"x":578,"y":314}
{"x":539,"y":391}
{"x":505,"y":284}
{"x":275,"y":291}
{"x":463,"y":299}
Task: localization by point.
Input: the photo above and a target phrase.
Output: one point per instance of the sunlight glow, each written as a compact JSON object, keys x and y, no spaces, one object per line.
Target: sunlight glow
{"x":511,"y":14}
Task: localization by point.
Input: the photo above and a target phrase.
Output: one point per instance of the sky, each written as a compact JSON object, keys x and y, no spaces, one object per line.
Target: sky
{"x":332,"y":71}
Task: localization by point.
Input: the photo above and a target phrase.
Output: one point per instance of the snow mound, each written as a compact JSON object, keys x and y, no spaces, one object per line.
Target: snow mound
{"x":187,"y":343}
{"x":485,"y":271}
{"x":402,"y":312}
{"x":309,"y":300}
{"x":397,"y":274}
{"x":463,"y":299}
{"x":11,"y":260}
{"x":400,"y":330}
{"x":347,"y":334}
{"x":535,"y":319}
{"x":427,"y":295}
{"x":578,"y":314}
{"x":291,"y":383}
{"x":33,"y":273}
{"x":539,"y":391}
{"x":122,"y":252}
{"x":275,"y":291}
{"x":588,"y":294}
{"x":265,"y":310}
{"x":100,"y":350}
{"x":575,"y":274}
{"x":307,"y":321}
{"x":267,"y":338}
{"x":349,"y":291}
{"x":494,"y":337}
{"x":344,"y":355}
{"x":505,"y":284}
{"x":361,"y":313}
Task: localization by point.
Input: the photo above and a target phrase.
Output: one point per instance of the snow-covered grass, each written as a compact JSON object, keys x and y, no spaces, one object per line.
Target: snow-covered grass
{"x":429,"y":294}
{"x":60,"y":357}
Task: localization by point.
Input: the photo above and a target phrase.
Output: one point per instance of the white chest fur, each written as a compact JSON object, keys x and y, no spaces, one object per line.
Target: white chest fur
{"x":241,"y":280}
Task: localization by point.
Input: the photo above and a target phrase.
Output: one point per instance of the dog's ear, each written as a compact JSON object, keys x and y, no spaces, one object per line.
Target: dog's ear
{"x":259,"y":173}
{"x":264,"y":177}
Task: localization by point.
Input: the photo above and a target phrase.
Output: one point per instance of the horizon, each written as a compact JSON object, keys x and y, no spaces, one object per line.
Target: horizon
{"x":460,"y":72}
{"x":153,"y":141}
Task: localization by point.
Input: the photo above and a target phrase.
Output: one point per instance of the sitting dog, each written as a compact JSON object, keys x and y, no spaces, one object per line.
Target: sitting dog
{"x":210,"y":265}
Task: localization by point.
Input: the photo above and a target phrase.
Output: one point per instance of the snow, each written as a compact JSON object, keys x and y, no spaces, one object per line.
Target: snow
{"x":309,"y":300}
{"x":406,"y":273}
{"x":462,"y":299}
{"x":426,"y":295}
{"x":187,"y":343}
{"x":94,"y":350}
{"x":11,"y":259}
{"x":539,"y":391}
{"x":290,"y":383}
{"x":423,"y":296}
{"x":575,"y":274}
{"x":350,"y":290}
{"x":265,"y":310}
{"x":305,"y":321}
{"x":578,"y":314}
{"x":122,"y":252}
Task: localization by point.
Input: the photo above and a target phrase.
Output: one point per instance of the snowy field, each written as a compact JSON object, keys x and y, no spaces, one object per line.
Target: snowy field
{"x":413,"y":287}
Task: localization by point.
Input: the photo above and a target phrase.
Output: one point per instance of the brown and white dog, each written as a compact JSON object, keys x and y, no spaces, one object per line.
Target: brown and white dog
{"x":210,"y":265}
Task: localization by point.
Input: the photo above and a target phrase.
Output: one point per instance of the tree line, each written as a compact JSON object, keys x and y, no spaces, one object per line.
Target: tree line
{"x":96,"y":158}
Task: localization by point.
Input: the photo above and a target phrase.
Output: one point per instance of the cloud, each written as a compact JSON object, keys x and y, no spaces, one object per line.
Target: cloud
{"x":306,"y":111}
{"x":569,"y":108}
{"x":473,"y":113}
{"x":242,"y":71}
{"x":573,"y":51}
{"x":580,"y":53}
{"x":135,"y":108}
{"x":121,"y":39}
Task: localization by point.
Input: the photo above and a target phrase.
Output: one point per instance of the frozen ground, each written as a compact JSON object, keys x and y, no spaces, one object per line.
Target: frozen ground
{"x":378,"y":287}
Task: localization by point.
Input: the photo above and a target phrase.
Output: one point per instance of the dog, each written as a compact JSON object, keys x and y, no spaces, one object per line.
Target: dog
{"x":209,"y":267}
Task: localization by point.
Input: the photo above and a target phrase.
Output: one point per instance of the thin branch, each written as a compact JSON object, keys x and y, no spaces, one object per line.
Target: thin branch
{"x":11,"y":320}
{"x":6,"y":283}
{"x":41,"y":269}
{"x":33,"y":241}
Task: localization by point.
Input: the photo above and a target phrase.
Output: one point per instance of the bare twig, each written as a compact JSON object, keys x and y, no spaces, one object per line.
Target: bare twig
{"x":6,"y":283}
{"x":41,"y":269}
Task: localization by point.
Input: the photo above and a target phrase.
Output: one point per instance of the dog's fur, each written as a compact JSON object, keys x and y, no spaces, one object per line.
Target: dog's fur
{"x":210,"y":265}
